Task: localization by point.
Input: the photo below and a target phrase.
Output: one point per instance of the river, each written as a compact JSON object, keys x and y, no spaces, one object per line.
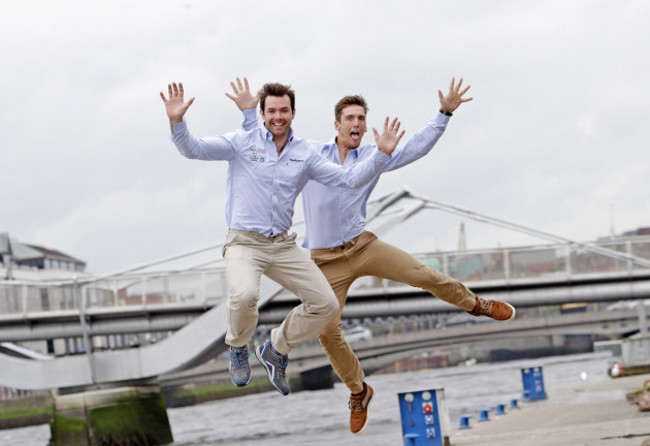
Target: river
{"x":321,"y":417}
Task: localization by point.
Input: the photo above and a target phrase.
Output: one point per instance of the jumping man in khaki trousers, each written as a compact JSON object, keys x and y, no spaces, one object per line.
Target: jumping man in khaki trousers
{"x":268,"y":167}
{"x":345,"y":251}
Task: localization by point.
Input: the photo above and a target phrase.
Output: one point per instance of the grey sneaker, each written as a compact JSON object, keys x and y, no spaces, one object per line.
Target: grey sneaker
{"x":275,"y":365}
{"x":240,"y":368}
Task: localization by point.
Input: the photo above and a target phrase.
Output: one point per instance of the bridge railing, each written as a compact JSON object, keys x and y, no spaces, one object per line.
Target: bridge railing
{"x":553,"y":262}
{"x":207,"y":286}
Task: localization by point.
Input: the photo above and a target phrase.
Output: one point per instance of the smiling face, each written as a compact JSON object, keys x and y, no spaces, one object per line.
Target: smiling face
{"x":351,"y":125}
{"x":278,"y":115}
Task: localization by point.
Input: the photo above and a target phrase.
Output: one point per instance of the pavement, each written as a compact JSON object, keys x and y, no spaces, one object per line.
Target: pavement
{"x":582,"y":414}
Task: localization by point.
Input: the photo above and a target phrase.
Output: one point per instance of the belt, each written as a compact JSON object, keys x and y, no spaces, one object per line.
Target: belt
{"x":261,"y":237}
{"x":347,"y":245}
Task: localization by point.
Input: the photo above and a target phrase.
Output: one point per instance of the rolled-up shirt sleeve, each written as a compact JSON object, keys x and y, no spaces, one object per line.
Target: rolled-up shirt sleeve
{"x":209,"y":148}
{"x":332,"y":174}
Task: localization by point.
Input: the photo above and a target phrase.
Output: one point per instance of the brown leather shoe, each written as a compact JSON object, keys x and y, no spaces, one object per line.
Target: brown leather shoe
{"x":497,"y":310}
{"x":359,"y":409}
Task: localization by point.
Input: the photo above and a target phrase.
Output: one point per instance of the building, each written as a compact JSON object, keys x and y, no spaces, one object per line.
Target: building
{"x":23,"y":261}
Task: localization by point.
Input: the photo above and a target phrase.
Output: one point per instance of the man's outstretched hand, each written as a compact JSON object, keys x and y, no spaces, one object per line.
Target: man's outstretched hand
{"x":243,"y":97}
{"x":454,"y":97}
{"x":390,"y":137}
{"x":175,"y":105}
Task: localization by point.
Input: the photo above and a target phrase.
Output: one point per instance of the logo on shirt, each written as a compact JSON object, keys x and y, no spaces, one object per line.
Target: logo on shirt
{"x":256,"y":155}
{"x":293,"y":160}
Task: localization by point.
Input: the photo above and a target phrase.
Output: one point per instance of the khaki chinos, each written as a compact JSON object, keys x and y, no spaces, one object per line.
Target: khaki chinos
{"x":249,"y":255}
{"x":366,"y":255}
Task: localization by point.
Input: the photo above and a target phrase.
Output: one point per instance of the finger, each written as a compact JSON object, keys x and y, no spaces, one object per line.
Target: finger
{"x":466,"y":100}
{"x":374,"y":130}
{"x":397,"y":126}
{"x":181,"y":90}
{"x":239,"y":84}
{"x":188,"y":103}
{"x":400,"y":136}
{"x":391,"y":127}
{"x":163,"y":97}
{"x":169,"y":90}
{"x":460,"y":82}
{"x":440,"y":95}
{"x":451,"y":86}
{"x":386,"y":124}
{"x":234,"y":87}
{"x":259,"y":92}
{"x":230,"y":96}
{"x":246,"y":84}
{"x":465,"y":90}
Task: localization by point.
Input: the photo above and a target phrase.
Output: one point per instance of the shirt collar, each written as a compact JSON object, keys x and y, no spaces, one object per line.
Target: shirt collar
{"x":332,"y":146}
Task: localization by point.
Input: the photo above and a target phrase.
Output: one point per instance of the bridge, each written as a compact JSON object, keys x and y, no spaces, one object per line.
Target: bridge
{"x":94,"y":314}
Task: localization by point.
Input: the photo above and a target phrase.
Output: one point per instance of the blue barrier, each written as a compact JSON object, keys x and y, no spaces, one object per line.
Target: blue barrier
{"x":425,"y":421}
{"x":501,"y":409}
{"x":485,"y":415}
{"x":464,"y":422}
{"x":514,"y":404}
{"x":533,"y":381}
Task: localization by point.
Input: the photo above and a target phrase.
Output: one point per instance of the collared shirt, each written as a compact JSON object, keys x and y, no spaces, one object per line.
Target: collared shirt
{"x":334,"y":216}
{"x":262,"y":187}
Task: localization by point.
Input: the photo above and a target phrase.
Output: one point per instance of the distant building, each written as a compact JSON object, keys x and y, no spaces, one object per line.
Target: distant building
{"x":31,"y":262}
{"x":638,"y":231}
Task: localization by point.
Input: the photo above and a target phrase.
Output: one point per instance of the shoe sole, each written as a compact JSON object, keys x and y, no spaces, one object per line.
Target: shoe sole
{"x":367,"y":415}
{"x":269,"y":373}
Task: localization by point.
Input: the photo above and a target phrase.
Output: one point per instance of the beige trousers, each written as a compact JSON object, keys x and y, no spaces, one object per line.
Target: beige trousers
{"x":366,"y":255}
{"x":249,"y":255}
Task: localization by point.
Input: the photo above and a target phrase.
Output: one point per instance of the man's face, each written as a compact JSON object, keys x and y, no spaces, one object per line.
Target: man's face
{"x":277,"y":114}
{"x":351,"y":127}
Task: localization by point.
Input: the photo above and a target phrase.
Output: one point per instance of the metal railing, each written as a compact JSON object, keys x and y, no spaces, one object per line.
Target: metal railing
{"x":207,"y":286}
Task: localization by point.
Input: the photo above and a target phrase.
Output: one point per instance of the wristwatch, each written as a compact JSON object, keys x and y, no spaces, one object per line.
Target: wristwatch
{"x":446,"y":113}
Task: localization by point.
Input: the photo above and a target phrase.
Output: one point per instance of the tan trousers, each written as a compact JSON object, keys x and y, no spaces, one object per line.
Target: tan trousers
{"x":366,"y":255}
{"x":249,"y":255}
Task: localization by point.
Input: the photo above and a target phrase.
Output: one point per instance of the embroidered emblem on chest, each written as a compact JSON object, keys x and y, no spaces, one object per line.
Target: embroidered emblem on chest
{"x":256,"y":155}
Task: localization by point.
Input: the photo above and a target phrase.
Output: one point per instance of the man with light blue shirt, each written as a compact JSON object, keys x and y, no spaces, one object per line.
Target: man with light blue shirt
{"x":345,"y":251}
{"x":268,"y":167}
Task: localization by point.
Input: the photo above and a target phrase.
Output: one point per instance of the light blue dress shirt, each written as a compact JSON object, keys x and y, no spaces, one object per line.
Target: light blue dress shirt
{"x":334,"y":216}
{"x":262,"y":187}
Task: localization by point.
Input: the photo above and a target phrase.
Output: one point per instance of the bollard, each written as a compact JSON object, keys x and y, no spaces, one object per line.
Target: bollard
{"x":513,"y":404}
{"x":533,"y":381}
{"x":425,"y":420}
{"x":485,"y":415}
{"x":464,"y":422}
{"x":410,"y":439}
{"x":501,"y":409}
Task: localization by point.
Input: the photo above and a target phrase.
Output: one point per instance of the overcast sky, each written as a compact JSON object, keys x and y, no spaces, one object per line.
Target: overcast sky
{"x":557,"y":137}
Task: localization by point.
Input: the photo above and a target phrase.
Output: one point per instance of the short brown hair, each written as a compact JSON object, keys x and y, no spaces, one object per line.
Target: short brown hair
{"x":354,"y":99}
{"x":279,"y":90}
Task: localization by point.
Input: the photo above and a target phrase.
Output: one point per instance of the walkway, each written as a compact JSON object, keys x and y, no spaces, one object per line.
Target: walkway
{"x":587,"y":413}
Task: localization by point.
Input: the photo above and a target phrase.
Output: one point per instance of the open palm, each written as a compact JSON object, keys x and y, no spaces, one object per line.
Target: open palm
{"x":175,"y":104}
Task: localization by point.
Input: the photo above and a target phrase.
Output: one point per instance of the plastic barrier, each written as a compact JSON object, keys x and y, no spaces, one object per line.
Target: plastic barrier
{"x":425,"y":419}
{"x":533,"y":381}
